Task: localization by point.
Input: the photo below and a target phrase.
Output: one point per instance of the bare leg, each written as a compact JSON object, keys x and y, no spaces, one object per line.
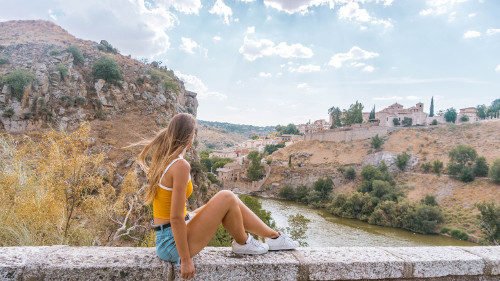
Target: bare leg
{"x":222,"y":208}
{"x":254,"y":224}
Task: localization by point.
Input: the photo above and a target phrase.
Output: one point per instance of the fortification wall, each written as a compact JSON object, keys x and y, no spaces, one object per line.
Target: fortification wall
{"x":348,"y":134}
{"x":340,"y":263}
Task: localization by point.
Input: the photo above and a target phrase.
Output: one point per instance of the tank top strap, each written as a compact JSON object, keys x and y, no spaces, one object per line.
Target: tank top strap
{"x":164,"y":172}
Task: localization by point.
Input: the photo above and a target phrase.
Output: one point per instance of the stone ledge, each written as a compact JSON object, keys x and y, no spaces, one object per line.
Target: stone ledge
{"x":338,"y":263}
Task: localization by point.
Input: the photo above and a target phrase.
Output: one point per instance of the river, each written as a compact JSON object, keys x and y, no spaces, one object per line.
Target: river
{"x":326,"y":230}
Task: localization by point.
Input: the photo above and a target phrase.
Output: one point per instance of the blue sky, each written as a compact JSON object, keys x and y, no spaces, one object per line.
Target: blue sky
{"x":268,"y":62}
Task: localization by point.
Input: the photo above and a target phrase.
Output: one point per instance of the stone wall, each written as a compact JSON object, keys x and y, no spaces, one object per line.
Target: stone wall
{"x":341,"y":263}
{"x":348,"y":134}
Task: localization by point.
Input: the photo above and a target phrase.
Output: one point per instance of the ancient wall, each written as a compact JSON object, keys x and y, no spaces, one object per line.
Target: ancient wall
{"x":336,"y":263}
{"x":348,"y":134}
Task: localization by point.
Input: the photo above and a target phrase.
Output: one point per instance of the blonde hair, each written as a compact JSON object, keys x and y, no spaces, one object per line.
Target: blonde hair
{"x":164,"y":148}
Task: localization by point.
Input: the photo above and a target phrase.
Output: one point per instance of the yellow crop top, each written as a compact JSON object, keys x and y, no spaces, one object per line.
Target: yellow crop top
{"x":163,"y":198}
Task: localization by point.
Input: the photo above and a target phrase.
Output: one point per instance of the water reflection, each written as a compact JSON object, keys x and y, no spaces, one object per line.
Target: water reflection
{"x":326,"y":230}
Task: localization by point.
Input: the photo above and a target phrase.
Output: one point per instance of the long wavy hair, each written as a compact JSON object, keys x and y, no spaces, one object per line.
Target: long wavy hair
{"x":163,"y":149}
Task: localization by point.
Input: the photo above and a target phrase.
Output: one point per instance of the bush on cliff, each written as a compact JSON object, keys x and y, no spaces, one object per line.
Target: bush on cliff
{"x":18,"y":80}
{"x":77,"y":54}
{"x":106,"y":68}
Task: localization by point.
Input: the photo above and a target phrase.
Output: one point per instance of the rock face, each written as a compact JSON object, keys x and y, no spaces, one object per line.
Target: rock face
{"x":390,"y":160}
{"x":66,"y":92}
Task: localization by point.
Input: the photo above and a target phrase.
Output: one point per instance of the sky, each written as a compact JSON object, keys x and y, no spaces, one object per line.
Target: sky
{"x":269,"y":62}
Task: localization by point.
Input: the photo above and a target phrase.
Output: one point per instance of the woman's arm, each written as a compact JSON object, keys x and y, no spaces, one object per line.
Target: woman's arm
{"x":180,"y":181}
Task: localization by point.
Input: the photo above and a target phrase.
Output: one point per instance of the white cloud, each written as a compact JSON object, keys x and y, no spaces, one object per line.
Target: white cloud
{"x":452,"y":16}
{"x":297,"y":6}
{"x":222,"y":10}
{"x":471,"y":34}
{"x":355,"y":53}
{"x":194,"y":84}
{"x":351,"y":11}
{"x":188,"y":45}
{"x":358,"y":64}
{"x":413,"y":98}
{"x":305,"y":68}
{"x":232,"y":108}
{"x":253,"y":49}
{"x":302,"y":86}
{"x":368,"y":68}
{"x":216,"y":38}
{"x":264,"y":74}
{"x":187,"y":6}
{"x":471,"y":15}
{"x":394,"y":98}
{"x":440,"y":7}
{"x":491,"y":31}
{"x":251,"y":30}
{"x":52,"y":15}
{"x":497,"y":68}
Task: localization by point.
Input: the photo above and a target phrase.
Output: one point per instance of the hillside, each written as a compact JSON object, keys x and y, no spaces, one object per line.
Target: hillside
{"x":217,"y":135}
{"x":424,"y":144}
{"x":63,"y":94}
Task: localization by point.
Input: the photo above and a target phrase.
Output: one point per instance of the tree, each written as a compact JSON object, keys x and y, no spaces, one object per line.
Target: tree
{"x":431,"y":114}
{"x":490,"y":221}
{"x":287,"y":193}
{"x":481,"y":168}
{"x":461,"y":156}
{"x":290,"y":161}
{"x":407,"y":122}
{"x":18,"y":80}
{"x":377,"y":142}
{"x":372,"y":114}
{"x":336,"y":115}
{"x":395,"y":121}
{"x":254,"y":137}
{"x":464,"y":118}
{"x":354,"y":114}
{"x":255,"y":170}
{"x":290,"y":129}
{"x":271,"y":148}
{"x":450,"y":115}
{"x":494,"y":173}
{"x":298,"y":226}
{"x":494,"y":109}
{"x":437,"y":166}
{"x":402,"y":160}
{"x":481,"y":111}
{"x":106,"y":68}
{"x":350,"y":174}
{"x":324,"y":186}
{"x":466,"y":174}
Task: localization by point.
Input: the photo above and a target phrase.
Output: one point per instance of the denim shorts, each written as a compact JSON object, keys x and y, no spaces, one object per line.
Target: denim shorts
{"x":165,"y":245}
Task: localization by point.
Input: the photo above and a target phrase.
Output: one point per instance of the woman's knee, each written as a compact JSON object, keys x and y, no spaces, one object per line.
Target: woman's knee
{"x":226,"y":196}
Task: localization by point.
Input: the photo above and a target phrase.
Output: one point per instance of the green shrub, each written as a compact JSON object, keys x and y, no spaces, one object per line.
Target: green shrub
{"x":426,"y":166}
{"x":80,"y":101}
{"x":341,"y":169}
{"x":287,"y":193}
{"x":17,"y":80}
{"x":301,"y":193}
{"x":314,"y":199}
{"x":3,"y":60}
{"x":434,"y":122}
{"x":8,"y":113}
{"x":407,"y":122}
{"x":324,"y":186}
{"x":68,"y":100}
{"x":100,"y":114}
{"x":466,"y":174}
{"x":377,"y":142}
{"x":350,"y":174}
{"x":77,"y":54}
{"x":55,"y":52}
{"x":464,"y":118}
{"x":402,"y":160}
{"x":489,"y":219}
{"x":445,"y":230}
{"x":494,"y":173}
{"x":212,"y":178}
{"x":459,"y":234}
{"x":63,"y":70}
{"x":28,"y":115}
{"x":171,"y":86}
{"x":429,"y":200}
{"x":106,"y":68}
{"x":396,"y":122}
{"x":437,"y":166}
{"x":481,"y":167}
{"x":106,"y":47}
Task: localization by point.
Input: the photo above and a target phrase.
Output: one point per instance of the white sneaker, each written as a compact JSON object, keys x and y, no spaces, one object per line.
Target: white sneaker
{"x":283,"y":242}
{"x":251,"y":247}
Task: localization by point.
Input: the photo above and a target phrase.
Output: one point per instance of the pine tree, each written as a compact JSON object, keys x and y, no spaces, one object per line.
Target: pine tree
{"x":432,"y":108}
{"x":372,"y":113}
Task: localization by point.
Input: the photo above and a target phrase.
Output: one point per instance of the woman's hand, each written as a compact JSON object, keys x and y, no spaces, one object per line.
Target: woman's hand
{"x":187,"y":269}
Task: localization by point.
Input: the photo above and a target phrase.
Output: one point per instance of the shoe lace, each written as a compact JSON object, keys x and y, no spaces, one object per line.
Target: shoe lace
{"x":255,"y":242}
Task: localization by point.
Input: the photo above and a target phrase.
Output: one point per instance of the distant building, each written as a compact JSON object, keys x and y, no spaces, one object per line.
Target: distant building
{"x":316,"y":126}
{"x":396,"y":111}
{"x":470,"y":112}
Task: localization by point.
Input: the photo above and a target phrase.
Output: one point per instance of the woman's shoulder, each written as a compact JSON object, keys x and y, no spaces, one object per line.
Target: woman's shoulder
{"x":180,"y":166}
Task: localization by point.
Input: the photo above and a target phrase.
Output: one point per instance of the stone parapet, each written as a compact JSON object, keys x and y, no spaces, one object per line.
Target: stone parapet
{"x":339,"y":263}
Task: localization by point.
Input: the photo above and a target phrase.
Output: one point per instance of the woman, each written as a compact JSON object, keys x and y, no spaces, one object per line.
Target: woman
{"x":179,"y":236}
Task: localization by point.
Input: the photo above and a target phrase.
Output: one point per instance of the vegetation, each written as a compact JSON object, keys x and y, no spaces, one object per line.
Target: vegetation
{"x":3,"y":60}
{"x":336,"y":115}
{"x":450,"y":115}
{"x":166,"y":78}
{"x":68,"y":189}
{"x":350,"y":174}
{"x":211,"y":177}
{"x":289,"y":129}
{"x":434,"y":122}
{"x":18,"y":80}
{"x":8,"y":113}
{"x":106,"y":68}
{"x":481,"y":167}
{"x":54,"y":52}
{"x":437,"y":166}
{"x":353,"y":115}
{"x":372,"y":114}
{"x":464,"y":118}
{"x":254,"y":137}
{"x":77,"y":54}
{"x":63,"y":70}
{"x":461,"y":160}
{"x":481,"y":111}
{"x":297,"y":228}
{"x":211,"y":164}
{"x":402,"y":160}
{"x":407,"y":122}
{"x":395,"y":121}
{"x":377,"y":142}
{"x":255,"y":170}
{"x":246,"y":130}
{"x":494,"y":173}
{"x":431,"y":113}
{"x":106,"y":47}
{"x":323,"y":186}
{"x":426,"y":166}
{"x":271,"y":148}
{"x":489,"y":218}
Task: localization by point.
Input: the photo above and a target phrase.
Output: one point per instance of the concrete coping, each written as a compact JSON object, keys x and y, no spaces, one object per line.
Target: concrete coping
{"x":335,"y":263}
